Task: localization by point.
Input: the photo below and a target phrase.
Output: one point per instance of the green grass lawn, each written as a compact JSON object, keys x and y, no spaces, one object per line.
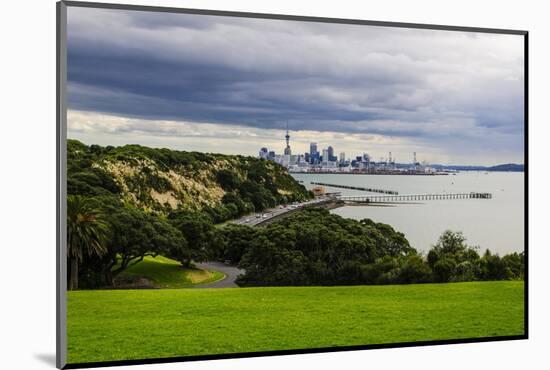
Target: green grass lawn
{"x":167,"y":273}
{"x":109,"y":325}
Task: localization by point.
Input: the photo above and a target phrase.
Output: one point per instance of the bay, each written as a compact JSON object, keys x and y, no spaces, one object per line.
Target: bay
{"x":496,"y":224}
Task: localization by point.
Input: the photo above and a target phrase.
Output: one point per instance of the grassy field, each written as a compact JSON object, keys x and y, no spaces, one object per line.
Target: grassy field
{"x":167,"y":273}
{"x":111,"y":325}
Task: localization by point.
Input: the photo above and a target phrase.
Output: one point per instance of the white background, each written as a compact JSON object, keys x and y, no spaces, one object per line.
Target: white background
{"x":27,"y":183}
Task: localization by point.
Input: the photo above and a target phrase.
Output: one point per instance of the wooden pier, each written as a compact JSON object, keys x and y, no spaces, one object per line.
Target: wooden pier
{"x":382,"y":191}
{"x":413,"y":197}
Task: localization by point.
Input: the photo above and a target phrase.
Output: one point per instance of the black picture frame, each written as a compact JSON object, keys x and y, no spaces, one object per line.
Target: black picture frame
{"x":61,"y":191}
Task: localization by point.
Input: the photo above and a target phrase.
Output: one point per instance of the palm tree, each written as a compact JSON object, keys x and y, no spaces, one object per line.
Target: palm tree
{"x":86,"y":232}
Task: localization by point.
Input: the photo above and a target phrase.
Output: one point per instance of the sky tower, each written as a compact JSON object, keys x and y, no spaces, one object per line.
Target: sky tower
{"x":287,"y":137}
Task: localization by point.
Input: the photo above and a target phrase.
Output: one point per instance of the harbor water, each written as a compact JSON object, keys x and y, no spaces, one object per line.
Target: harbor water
{"x":496,"y":224}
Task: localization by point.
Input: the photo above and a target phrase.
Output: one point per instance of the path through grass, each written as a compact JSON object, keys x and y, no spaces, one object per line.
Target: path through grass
{"x":167,"y":273}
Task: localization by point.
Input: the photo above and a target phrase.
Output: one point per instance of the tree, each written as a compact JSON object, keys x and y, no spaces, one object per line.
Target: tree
{"x":202,"y":237}
{"x":86,"y":234}
{"x":444,"y":269}
{"x":451,"y":259}
{"x":388,"y":241}
{"x":135,"y":235}
{"x":414,"y":270}
{"x":228,"y":180}
{"x":451,"y":242}
{"x":495,"y":268}
{"x":237,"y":238}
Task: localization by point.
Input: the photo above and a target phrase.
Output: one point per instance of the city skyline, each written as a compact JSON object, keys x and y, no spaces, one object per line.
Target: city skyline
{"x":233,"y":85}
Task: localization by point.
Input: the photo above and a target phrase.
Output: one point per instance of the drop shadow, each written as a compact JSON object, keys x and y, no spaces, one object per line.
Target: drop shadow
{"x":46,"y":358}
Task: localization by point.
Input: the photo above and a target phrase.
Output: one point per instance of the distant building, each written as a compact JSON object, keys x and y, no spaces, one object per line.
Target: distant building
{"x":342,"y":157}
{"x":325,"y":157}
{"x":312,"y":148}
{"x":318,"y":190}
{"x":263,"y":153}
{"x":366,"y":160}
{"x":287,"y":138}
{"x":271,"y":155}
{"x":285,"y":160}
{"x":331,"y":156}
{"x":313,"y":153}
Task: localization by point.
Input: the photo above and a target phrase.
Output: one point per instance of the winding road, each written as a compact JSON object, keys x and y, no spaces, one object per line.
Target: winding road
{"x":231,"y":273}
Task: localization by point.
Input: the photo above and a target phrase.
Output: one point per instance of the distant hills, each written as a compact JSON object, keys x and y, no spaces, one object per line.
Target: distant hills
{"x":508,"y":167}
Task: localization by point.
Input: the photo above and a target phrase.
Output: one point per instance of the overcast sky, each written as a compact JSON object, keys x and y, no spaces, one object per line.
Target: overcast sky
{"x":231,"y":85}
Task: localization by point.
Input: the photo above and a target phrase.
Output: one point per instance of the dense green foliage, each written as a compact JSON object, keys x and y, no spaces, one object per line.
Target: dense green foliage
{"x":107,"y":325}
{"x":164,"y":202}
{"x":133,"y":234}
{"x":451,"y":259}
{"x":164,"y":180}
{"x":86,"y":235}
{"x":314,"y":247}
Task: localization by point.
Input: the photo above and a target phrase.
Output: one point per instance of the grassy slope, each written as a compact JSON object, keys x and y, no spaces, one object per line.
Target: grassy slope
{"x":167,"y":273}
{"x":116,"y":325}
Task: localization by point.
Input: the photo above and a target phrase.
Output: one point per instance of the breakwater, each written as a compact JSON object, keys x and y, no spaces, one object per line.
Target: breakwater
{"x":372,"y":190}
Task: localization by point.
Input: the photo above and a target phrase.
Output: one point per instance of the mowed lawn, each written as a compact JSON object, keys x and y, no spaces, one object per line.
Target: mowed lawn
{"x":167,"y":273}
{"x":109,"y":325}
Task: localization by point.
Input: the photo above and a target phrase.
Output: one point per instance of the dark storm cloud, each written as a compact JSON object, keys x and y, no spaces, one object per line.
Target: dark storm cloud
{"x":318,"y":77}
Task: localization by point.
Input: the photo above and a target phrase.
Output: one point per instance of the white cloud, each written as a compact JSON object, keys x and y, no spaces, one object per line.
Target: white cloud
{"x":106,"y":129}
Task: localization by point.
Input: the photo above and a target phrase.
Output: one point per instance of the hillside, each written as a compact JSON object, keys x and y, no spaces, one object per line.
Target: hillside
{"x":508,"y":167}
{"x":161,"y":180}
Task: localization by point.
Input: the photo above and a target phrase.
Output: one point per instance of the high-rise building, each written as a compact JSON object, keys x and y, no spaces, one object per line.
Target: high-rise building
{"x":287,"y":137}
{"x":325,"y":156}
{"x":312,"y":149}
{"x":342,"y":157}
{"x":331,"y":156}
{"x":313,"y":153}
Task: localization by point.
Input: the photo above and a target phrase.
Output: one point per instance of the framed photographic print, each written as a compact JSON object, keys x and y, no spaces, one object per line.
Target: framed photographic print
{"x":236,"y":184}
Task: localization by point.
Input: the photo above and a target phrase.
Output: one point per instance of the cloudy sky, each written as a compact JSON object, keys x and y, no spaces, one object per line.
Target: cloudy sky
{"x":231,"y":85}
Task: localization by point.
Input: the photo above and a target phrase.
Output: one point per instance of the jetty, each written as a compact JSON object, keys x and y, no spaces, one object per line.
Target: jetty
{"x":412,"y":197}
{"x":371,"y":190}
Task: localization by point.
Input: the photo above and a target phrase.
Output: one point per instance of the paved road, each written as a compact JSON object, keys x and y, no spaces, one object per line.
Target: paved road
{"x":258,"y":218}
{"x":231,"y":273}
